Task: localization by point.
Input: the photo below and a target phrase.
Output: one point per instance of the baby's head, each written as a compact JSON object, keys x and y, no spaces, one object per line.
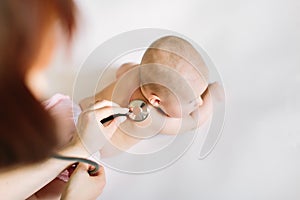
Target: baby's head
{"x":173,"y":76}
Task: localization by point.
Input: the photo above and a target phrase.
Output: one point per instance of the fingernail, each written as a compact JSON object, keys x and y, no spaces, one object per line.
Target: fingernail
{"x":115,"y":104}
{"x":122,"y":119}
{"x":125,"y":110}
{"x":121,"y":110}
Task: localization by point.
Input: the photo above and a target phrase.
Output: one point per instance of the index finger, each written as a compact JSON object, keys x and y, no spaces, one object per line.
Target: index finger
{"x":104,"y":103}
{"x":100,"y":104}
{"x":105,"y":112}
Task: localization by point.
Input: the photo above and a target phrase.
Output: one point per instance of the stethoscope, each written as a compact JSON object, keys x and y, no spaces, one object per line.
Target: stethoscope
{"x":138,"y":111}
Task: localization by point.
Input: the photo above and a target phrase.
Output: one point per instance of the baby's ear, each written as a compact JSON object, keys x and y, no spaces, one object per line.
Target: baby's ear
{"x":154,"y":100}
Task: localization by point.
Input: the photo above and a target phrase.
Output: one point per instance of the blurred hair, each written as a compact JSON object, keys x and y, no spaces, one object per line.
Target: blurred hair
{"x":27,"y":132}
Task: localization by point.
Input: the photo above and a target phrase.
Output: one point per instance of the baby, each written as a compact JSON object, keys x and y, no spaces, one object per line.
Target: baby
{"x":172,"y":79}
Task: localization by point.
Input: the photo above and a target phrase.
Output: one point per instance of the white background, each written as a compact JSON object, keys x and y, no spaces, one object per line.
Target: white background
{"x":255,"y":45}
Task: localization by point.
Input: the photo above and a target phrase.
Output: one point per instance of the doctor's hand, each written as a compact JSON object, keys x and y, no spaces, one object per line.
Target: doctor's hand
{"x":92,"y":133}
{"x":82,"y":185}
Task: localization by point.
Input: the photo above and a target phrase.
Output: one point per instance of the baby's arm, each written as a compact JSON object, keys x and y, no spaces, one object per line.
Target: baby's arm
{"x":125,"y":68}
{"x":106,"y":92}
{"x":175,"y":126}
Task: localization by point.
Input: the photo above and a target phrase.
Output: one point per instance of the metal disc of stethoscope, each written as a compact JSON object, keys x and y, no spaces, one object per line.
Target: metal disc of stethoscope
{"x":138,"y":110}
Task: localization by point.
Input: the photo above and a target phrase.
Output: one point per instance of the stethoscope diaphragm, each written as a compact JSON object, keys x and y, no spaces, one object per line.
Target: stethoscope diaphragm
{"x":138,"y":111}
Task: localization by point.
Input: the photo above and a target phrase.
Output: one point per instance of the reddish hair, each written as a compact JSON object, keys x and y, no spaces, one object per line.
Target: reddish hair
{"x":27,"y":132}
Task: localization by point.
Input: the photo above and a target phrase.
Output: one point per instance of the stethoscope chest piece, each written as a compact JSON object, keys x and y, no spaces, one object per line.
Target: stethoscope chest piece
{"x":138,"y":110}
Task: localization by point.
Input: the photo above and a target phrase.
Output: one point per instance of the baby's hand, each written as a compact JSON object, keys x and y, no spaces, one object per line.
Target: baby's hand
{"x":205,"y":111}
{"x":216,"y":91}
